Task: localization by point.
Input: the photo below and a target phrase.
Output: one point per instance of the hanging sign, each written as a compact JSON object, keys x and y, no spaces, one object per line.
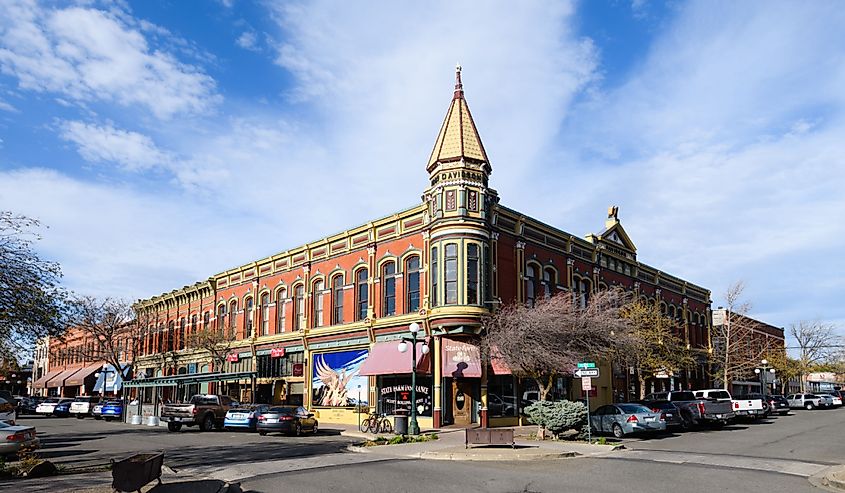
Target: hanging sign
{"x":277,"y":352}
{"x":232,"y":358}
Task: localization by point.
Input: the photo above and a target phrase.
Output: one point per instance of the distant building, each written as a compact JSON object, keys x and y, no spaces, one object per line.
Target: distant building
{"x":40,"y":367}
{"x":318,"y":324}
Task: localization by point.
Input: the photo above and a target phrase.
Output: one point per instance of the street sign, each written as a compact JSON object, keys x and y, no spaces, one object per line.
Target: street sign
{"x":586,"y":373}
{"x":586,"y":364}
{"x":586,"y":384}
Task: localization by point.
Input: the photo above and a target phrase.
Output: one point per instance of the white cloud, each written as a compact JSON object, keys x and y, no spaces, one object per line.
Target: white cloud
{"x":89,"y":55}
{"x":131,"y":150}
{"x":4,"y":106}
{"x":248,"y":41}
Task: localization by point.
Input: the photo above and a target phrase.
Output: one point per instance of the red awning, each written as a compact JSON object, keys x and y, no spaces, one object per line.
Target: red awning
{"x":385,"y":359}
{"x":79,"y":377}
{"x":497,"y":363}
{"x":460,"y":359}
{"x":41,"y":383}
{"x":59,"y":380}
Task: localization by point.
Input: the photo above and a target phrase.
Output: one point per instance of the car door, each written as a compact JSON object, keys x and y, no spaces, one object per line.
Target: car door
{"x":596,"y":417}
{"x":302,"y":417}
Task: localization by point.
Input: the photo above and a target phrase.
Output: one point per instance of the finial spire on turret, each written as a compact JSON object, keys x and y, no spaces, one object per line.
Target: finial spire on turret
{"x":459,"y":87}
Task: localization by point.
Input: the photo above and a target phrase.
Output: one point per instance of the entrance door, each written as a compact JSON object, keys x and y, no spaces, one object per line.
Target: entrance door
{"x":462,"y":402}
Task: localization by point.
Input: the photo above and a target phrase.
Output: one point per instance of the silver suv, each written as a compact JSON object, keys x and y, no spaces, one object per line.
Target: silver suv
{"x":808,"y":401}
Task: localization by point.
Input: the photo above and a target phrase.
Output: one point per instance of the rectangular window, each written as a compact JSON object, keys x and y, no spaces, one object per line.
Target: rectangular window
{"x":434,"y":276}
{"x":472,"y":274}
{"x":451,"y":273}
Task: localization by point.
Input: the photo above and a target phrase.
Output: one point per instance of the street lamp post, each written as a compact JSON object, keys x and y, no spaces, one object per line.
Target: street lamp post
{"x":764,"y":367}
{"x":414,"y":328}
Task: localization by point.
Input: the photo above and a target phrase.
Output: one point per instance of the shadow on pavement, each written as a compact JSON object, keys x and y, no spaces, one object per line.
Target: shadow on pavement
{"x":198,"y":486}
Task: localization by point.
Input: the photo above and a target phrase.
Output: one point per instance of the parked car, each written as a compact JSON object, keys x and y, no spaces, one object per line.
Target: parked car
{"x":14,"y":438}
{"x":670,"y":413}
{"x":204,"y":410}
{"x":7,"y":396}
{"x":8,"y":412}
{"x":112,"y":410}
{"x":626,"y":418}
{"x":82,"y":405}
{"x":697,"y":411}
{"x":835,"y":400}
{"x":49,"y":405}
{"x":501,"y":406}
{"x":62,"y":409}
{"x":286,"y":419}
{"x":742,"y":406}
{"x":28,"y":405}
{"x":97,"y":410}
{"x":778,"y":404}
{"x":808,"y":401}
{"x":244,"y":416}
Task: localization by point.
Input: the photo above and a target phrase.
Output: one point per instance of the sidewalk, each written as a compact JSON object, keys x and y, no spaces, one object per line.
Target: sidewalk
{"x":832,"y":479}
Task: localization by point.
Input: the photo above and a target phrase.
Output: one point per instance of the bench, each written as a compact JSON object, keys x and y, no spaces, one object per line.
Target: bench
{"x":487,"y":436}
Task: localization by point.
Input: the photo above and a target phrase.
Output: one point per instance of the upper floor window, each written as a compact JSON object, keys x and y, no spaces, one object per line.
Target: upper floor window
{"x":450,"y":269}
{"x":337,"y":299}
{"x":388,"y":283}
{"x":549,"y":282}
{"x":206,"y":318}
{"x":233,"y":318}
{"x":280,"y":310}
{"x":362,"y":294}
{"x":194,"y":322}
{"x":318,"y":304}
{"x":248,"y":317}
{"x":581,"y":289}
{"x":265,"y":314}
{"x":473,"y":274}
{"x":181,"y":341}
{"x":435,"y":277}
{"x":412,"y":284}
{"x":530,"y":280}
{"x":171,"y":330}
{"x":299,"y":307}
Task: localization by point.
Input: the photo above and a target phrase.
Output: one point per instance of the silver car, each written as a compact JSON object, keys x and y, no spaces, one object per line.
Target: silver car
{"x":808,"y":401}
{"x":13,"y":439}
{"x":623,"y":419}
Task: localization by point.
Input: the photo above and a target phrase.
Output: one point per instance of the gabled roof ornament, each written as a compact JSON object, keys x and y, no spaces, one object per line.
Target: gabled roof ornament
{"x":459,"y":86}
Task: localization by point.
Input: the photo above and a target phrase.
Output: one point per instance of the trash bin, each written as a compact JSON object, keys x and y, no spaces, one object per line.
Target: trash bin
{"x":400,"y":421}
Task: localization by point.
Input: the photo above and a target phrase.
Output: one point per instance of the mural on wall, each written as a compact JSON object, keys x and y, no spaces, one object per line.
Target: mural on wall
{"x":335,"y":380}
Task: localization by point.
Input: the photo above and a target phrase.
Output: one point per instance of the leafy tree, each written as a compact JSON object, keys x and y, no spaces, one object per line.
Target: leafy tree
{"x":33,"y":304}
{"x":547,"y":340}
{"x":786,"y":368}
{"x":654,"y":345}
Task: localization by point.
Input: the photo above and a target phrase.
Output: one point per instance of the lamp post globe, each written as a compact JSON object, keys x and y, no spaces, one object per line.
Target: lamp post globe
{"x":764,"y":362}
{"x":757,"y":371}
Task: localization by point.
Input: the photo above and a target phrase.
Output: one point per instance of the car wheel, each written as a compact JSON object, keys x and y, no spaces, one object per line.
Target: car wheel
{"x":314,"y":429}
{"x":207,"y":423}
{"x":809,"y":406}
{"x":297,"y":430}
{"x":174,"y":427}
{"x":618,"y":432}
{"x":79,"y":416}
{"x":98,"y":418}
{"x":262,"y":433}
{"x":686,"y":423}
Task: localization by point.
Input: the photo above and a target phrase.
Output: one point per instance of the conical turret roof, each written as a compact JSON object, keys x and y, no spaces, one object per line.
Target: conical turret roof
{"x":458,"y":137}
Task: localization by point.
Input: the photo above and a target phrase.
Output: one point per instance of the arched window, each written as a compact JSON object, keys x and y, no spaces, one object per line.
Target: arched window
{"x":318,"y":304}
{"x":530,"y":279}
{"x":473,"y":274}
{"x":194,"y":322}
{"x":265,"y":314}
{"x":435,"y":275}
{"x":388,"y":289}
{"x":181,"y":341}
{"x":299,"y":307}
{"x":280,"y":310}
{"x":412,"y":285}
{"x":221,"y":318}
{"x":248,"y":317}
{"x":206,"y":318}
{"x":450,"y":269}
{"x":671,"y":312}
{"x":233,"y":318}
{"x":337,"y":299}
{"x":549,"y":282}
{"x":581,"y":290}
{"x":362,"y":294}
{"x":171,"y":334}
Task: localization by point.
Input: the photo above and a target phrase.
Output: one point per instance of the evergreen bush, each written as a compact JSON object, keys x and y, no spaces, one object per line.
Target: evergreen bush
{"x":558,"y":417}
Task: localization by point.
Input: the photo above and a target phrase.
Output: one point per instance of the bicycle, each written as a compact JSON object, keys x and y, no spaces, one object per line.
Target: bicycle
{"x":376,"y":423}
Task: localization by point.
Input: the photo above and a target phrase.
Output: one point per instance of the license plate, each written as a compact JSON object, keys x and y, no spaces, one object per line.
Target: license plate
{"x":649,"y":419}
{"x":669,"y":415}
{"x":271,"y":420}
{"x":719,"y":415}
{"x":238,"y":416}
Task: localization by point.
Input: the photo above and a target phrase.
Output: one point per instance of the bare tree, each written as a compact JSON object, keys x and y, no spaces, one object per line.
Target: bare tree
{"x":216,"y":341}
{"x":654,"y":344}
{"x":549,"y":339}
{"x":112,"y":329}
{"x":817,"y":344}
{"x":32,"y":302}
{"x":737,"y":350}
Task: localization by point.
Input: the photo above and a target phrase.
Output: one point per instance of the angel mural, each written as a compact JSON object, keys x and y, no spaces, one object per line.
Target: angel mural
{"x":334,"y":375}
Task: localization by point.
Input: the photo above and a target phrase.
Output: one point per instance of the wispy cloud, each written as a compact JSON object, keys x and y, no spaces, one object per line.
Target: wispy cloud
{"x":248,"y":40}
{"x":93,"y":55}
{"x":131,"y":150}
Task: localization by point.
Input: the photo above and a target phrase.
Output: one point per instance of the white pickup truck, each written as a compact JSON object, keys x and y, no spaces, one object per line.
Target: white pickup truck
{"x":742,"y":406}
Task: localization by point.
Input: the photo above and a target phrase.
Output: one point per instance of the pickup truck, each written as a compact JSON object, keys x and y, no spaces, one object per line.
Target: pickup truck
{"x":696,"y":411}
{"x":743,"y":406}
{"x":204,"y":410}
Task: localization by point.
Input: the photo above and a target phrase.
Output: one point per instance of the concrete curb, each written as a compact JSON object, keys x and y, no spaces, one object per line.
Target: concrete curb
{"x":505,"y":455}
{"x":831,"y":479}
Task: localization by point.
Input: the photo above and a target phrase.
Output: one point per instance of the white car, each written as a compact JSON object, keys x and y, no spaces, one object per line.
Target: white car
{"x":83,"y":405}
{"x":808,"y":401}
{"x":835,"y":399}
{"x":48,"y":406}
{"x":7,"y":411}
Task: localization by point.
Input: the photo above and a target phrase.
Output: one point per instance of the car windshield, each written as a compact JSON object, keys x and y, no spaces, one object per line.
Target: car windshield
{"x":633,"y":408}
{"x":662,"y":405}
{"x":684,"y":396}
{"x":719,"y":394}
{"x":203,"y":399}
{"x":283,"y":410}
{"x":51,"y":401}
{"x":112,"y":403}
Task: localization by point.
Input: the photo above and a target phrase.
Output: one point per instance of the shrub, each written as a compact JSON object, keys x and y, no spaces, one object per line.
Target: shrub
{"x":557,"y":417}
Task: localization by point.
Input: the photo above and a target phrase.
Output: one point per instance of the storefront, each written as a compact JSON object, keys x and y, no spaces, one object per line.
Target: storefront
{"x":239,"y":390}
{"x":281,"y":375}
{"x":41,"y":384}
{"x":391,"y":370}
{"x":82,"y":382}
{"x":461,"y":387}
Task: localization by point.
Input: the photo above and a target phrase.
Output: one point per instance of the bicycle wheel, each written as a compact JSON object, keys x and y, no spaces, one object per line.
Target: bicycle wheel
{"x":372,"y":425}
{"x":386,"y":427}
{"x":364,"y":425}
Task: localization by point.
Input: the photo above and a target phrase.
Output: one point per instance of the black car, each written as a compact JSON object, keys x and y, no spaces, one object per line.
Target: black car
{"x":778,"y":404}
{"x":670,"y":413}
{"x":292,"y":420}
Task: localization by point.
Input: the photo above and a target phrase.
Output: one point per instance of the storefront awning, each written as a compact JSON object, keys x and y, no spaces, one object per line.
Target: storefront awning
{"x":109,"y":379}
{"x":59,"y":380}
{"x":41,"y":383}
{"x":385,"y":359}
{"x":460,"y":359}
{"x":173,"y":380}
{"x":497,"y":363}
{"x":79,"y":377}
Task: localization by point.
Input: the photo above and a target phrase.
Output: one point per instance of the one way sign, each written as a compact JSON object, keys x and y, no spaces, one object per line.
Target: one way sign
{"x":587,"y":373}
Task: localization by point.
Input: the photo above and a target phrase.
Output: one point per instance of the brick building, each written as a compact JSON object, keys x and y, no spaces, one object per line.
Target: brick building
{"x":319,"y":323}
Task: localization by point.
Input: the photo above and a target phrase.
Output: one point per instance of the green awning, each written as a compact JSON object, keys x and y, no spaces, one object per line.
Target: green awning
{"x":174,"y":380}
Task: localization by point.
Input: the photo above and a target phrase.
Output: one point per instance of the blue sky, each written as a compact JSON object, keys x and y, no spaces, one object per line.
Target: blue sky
{"x":162,"y":142}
